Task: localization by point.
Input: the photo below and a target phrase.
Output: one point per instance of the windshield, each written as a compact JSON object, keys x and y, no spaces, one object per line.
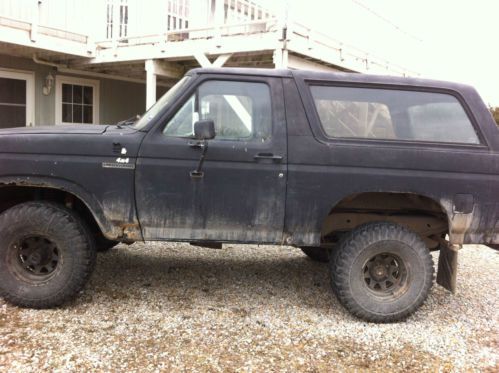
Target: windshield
{"x":165,"y":100}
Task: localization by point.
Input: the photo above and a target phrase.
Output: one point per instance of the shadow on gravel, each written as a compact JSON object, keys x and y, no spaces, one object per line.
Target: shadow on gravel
{"x":212,"y":277}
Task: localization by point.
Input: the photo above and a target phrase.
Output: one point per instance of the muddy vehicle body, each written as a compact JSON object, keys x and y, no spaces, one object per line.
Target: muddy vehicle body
{"x":369,"y":173}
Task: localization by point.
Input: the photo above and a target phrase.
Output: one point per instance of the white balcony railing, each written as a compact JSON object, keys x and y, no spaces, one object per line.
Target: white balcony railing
{"x":178,"y":20}
{"x":58,"y":18}
{"x":92,"y":26}
{"x":106,"y":20}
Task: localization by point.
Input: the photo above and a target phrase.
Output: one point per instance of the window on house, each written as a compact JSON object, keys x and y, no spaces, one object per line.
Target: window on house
{"x":241,"y":11}
{"x":117,"y":14}
{"x":123,"y":18}
{"x":12,"y":102}
{"x":109,"y":19}
{"x":371,"y":113}
{"x":178,"y":15}
{"x":77,"y":103}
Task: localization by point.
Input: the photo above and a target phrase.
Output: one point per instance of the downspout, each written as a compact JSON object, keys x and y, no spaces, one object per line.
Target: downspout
{"x":47,"y":63}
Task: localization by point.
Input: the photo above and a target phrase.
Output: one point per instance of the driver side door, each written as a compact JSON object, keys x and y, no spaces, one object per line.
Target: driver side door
{"x":241,"y":194}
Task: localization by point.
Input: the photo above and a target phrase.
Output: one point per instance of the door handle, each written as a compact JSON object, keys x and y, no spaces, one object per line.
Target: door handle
{"x":273,"y":157}
{"x":196,"y":144}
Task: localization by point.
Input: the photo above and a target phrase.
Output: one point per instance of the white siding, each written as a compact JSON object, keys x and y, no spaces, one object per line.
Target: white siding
{"x":23,"y":10}
{"x":69,"y":15}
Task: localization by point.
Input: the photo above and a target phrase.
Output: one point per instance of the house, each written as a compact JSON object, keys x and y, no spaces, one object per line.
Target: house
{"x":102,"y":61}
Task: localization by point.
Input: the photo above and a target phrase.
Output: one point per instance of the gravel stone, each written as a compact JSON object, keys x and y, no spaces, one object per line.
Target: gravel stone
{"x":246,"y":308}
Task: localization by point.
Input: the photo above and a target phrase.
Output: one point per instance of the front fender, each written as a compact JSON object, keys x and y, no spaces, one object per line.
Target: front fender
{"x":109,"y":230}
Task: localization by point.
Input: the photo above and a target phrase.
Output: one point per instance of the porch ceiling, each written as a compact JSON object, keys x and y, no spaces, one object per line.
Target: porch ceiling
{"x":135,"y":69}
{"x":17,"y":50}
{"x":131,"y":69}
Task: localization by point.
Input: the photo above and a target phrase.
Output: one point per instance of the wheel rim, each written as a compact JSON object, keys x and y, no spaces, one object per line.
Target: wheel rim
{"x":36,"y":256}
{"x":385,"y":274}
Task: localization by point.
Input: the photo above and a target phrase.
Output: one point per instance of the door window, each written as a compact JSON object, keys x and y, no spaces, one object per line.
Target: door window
{"x":240,"y":111}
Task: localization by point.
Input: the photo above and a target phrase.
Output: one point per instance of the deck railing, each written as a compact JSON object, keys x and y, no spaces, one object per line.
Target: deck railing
{"x":178,"y":20}
{"x":348,"y":55}
{"x":104,"y":24}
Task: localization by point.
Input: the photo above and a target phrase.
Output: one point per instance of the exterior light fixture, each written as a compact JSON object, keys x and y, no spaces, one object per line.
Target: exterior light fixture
{"x":49,"y":83}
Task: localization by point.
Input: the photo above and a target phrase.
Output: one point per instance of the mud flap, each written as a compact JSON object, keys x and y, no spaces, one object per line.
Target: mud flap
{"x":447,"y":267}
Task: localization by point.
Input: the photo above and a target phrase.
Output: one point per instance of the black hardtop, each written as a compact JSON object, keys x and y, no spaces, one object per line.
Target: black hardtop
{"x":337,"y":77}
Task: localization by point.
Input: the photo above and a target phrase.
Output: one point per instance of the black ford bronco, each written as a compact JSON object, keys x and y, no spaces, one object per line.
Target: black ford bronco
{"x":367,"y":173}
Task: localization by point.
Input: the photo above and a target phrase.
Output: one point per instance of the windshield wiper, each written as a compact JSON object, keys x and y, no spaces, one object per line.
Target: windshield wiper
{"x":128,"y":122}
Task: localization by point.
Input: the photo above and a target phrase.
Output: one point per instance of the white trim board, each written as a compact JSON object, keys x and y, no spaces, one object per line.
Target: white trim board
{"x":29,"y":77}
{"x":59,"y":80}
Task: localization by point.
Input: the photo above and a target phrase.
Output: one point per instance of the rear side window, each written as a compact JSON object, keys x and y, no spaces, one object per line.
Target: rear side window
{"x":371,"y":113}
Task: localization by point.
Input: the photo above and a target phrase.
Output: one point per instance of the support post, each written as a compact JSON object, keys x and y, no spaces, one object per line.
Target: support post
{"x":34,"y":22}
{"x":280,"y":58}
{"x":221,"y":60}
{"x":219,"y":21}
{"x":202,"y":60}
{"x":281,"y":52}
{"x":150,"y":83}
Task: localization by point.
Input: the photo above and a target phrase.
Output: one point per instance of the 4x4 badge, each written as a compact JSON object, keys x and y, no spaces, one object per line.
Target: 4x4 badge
{"x":120,"y":163}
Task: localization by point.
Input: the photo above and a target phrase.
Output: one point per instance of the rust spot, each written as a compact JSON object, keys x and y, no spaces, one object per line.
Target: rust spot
{"x":131,"y":231}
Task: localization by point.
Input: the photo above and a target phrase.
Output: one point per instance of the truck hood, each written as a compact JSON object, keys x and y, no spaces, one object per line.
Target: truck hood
{"x":87,"y":129}
{"x":82,"y":140}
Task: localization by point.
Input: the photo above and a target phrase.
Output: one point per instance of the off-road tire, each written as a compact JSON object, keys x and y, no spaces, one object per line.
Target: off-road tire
{"x":333,"y":257}
{"x":371,"y":251}
{"x":317,"y":254}
{"x":70,"y":241}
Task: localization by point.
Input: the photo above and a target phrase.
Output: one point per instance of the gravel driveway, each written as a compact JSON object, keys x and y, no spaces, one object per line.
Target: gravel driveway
{"x":174,"y":307}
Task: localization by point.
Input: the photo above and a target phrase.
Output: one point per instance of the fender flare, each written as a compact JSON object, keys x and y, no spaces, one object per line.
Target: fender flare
{"x":91,"y":203}
{"x":446,"y":208}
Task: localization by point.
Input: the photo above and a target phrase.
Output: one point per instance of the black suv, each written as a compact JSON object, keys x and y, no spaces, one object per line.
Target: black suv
{"x":368,"y":173}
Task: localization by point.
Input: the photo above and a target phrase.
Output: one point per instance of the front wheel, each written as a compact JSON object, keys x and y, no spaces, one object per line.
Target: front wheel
{"x":46,"y":255}
{"x":383,"y":272}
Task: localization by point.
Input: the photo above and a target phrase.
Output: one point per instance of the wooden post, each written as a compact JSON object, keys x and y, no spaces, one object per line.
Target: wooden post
{"x":34,"y":21}
{"x":150,"y":83}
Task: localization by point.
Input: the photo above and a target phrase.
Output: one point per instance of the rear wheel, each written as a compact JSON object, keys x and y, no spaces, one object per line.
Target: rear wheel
{"x":317,"y":254}
{"x":383,"y":272}
{"x":46,"y":255}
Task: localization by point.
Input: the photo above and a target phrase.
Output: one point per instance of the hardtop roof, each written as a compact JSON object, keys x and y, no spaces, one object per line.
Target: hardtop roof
{"x":334,"y":77}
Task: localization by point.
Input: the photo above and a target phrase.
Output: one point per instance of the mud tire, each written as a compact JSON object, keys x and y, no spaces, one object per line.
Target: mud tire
{"x":371,"y":251}
{"x":68,"y":241}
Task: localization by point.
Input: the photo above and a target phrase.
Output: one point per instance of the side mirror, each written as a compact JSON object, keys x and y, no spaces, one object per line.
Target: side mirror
{"x":204,"y":129}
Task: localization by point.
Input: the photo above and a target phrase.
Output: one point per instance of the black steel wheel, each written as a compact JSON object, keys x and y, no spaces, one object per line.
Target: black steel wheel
{"x":385,"y":274}
{"x":382,"y":272}
{"x":46,"y":255}
{"x":37,"y":256}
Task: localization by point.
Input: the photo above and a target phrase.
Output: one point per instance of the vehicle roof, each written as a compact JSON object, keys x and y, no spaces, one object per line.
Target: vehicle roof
{"x":333,"y":76}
